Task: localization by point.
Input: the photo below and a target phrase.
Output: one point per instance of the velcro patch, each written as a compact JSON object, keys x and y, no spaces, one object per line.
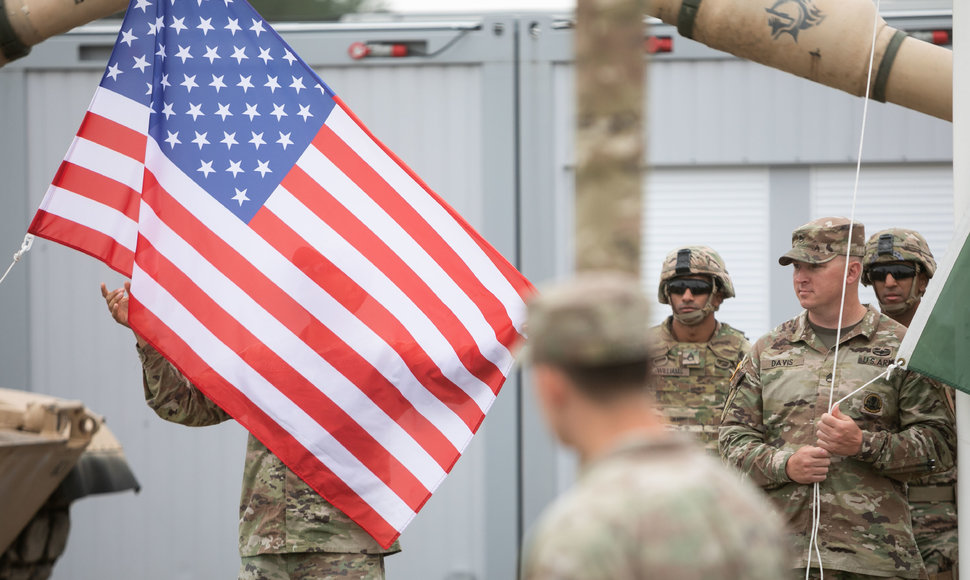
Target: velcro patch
{"x":875,"y":361}
{"x":779,"y":363}
{"x":671,"y":371}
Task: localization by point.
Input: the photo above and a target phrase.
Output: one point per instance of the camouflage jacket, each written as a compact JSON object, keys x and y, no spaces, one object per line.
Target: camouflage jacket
{"x":278,"y":512}
{"x":657,"y":508}
{"x":691,"y":378}
{"x":778,"y":394}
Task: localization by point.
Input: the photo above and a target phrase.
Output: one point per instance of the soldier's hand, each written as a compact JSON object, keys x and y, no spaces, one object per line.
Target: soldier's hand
{"x":808,"y":465}
{"x":838,"y":434}
{"x":117,"y":302}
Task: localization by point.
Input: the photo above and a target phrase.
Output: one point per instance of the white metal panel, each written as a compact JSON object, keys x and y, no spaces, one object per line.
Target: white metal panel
{"x":918,"y":197}
{"x":725,"y":209}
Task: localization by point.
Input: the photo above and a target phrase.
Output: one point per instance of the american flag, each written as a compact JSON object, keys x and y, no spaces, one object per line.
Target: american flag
{"x":284,"y":260}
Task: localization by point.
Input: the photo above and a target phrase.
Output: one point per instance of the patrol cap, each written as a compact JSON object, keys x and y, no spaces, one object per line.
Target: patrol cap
{"x":597,"y":319}
{"x":823,"y":239}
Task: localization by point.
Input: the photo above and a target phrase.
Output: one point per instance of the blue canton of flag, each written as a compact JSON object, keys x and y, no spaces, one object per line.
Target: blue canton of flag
{"x":231,"y":105}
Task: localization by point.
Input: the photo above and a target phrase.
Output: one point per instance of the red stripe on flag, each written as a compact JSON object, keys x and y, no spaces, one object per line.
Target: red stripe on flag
{"x":374,"y":314}
{"x":349,"y":227}
{"x":300,"y":322}
{"x":83,"y":239}
{"x":98,"y":187}
{"x":114,"y":136}
{"x":355,"y":438}
{"x":444,"y":254}
{"x":284,"y":445}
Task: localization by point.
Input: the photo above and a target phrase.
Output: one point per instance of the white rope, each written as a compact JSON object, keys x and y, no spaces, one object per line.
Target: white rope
{"x":24,"y":248}
{"x":816,"y":494}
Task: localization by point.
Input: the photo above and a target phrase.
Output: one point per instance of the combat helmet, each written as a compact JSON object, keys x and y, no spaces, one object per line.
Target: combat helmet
{"x":695,"y":260}
{"x":895,"y":245}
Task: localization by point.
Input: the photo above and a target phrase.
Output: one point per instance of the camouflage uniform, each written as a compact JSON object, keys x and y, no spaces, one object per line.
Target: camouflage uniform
{"x":932,"y":498}
{"x":777,"y":396}
{"x":657,"y":508}
{"x":656,"y":505}
{"x":279,"y":513}
{"x":691,"y":379}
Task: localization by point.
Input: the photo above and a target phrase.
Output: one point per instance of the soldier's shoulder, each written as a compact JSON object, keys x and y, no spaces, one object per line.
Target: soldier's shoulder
{"x":779,"y":336}
{"x":729,"y":341}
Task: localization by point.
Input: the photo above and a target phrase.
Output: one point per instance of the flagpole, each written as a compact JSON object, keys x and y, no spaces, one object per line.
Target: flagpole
{"x":961,"y":203}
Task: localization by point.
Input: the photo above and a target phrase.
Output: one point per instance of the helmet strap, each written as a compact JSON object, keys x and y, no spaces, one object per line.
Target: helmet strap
{"x":696,"y":317}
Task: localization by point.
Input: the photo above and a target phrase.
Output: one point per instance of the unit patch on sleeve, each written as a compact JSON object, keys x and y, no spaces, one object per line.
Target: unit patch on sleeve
{"x":872,"y":403}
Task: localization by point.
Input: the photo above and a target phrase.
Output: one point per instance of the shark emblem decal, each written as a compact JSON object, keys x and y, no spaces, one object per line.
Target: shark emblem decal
{"x":792,"y":16}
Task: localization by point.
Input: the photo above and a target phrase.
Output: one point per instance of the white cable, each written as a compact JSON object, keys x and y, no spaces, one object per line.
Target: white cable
{"x":24,"y":248}
{"x":816,"y":494}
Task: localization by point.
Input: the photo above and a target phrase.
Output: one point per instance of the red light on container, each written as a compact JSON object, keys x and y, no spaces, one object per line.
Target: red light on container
{"x":655,"y":44}
{"x":359,"y":50}
{"x":940,"y":37}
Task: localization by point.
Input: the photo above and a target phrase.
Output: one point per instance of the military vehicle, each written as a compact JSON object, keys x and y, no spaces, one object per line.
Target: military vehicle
{"x":52,"y":452}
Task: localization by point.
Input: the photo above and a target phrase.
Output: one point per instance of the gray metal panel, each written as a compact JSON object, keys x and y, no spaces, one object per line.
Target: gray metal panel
{"x":714,"y":112}
{"x":16,"y":213}
{"x":791,"y":198}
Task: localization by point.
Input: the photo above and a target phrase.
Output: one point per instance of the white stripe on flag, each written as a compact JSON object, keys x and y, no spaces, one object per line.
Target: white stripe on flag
{"x":92,"y":214}
{"x":265,"y":396}
{"x":107,"y":162}
{"x":120,"y":109}
{"x":351,"y":262}
{"x":442,"y":222}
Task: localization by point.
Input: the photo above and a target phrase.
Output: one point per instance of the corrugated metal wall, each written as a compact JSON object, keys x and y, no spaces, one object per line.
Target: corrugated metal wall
{"x":739,"y":155}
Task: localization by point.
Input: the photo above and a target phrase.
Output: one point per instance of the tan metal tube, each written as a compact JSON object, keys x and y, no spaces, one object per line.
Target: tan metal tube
{"x":826,"y":41}
{"x":24,"y":23}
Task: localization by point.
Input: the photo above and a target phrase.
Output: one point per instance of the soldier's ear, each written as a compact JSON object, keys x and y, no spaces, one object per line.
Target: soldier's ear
{"x":924,"y":280}
{"x":855,"y":271}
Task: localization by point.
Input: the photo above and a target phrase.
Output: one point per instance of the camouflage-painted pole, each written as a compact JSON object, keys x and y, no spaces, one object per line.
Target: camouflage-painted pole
{"x":610,"y":71}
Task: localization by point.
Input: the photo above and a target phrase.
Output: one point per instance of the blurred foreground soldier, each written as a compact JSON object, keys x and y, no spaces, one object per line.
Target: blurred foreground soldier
{"x":286,"y":530}
{"x":776,"y":425}
{"x":898,"y":265}
{"x":649,"y":502}
{"x":694,"y":354}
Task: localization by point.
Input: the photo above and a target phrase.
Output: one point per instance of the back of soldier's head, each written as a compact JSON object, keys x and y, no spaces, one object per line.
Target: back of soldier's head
{"x":594,"y":328}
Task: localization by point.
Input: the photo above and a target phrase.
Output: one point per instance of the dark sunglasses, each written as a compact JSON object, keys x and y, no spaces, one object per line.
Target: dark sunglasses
{"x":898,"y":271}
{"x":696,"y":287}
